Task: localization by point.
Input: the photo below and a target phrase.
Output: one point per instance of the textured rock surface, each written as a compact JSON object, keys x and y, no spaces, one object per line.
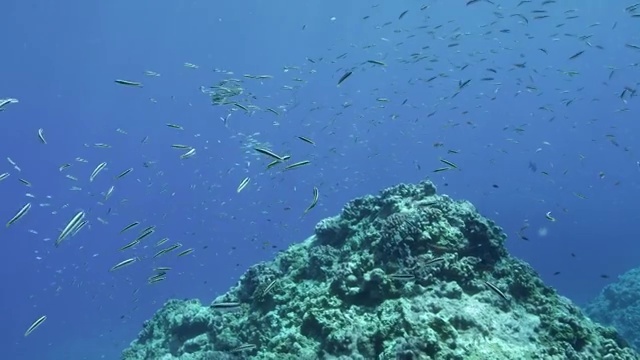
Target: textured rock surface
{"x":404,"y":275}
{"x":618,"y":305}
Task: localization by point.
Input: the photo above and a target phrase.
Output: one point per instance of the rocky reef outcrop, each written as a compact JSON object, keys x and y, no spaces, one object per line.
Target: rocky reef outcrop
{"x":408,"y":274}
{"x":618,"y":305}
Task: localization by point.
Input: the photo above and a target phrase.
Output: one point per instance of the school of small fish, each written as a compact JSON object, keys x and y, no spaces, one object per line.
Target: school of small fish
{"x":486,"y":74}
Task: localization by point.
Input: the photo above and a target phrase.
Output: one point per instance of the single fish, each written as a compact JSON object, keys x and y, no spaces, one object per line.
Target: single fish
{"x":35,"y":325}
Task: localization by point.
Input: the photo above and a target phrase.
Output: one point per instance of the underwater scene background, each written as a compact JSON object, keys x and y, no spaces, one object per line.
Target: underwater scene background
{"x":159,"y":152}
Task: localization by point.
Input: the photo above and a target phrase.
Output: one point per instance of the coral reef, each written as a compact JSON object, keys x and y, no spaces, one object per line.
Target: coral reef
{"x":618,"y":305}
{"x":408,"y":274}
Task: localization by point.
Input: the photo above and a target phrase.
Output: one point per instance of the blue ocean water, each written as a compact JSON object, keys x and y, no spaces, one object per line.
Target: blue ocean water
{"x":536,"y":136}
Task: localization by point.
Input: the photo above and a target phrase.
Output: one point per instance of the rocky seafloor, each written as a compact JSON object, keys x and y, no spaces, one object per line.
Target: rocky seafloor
{"x":408,"y":274}
{"x":618,"y":305}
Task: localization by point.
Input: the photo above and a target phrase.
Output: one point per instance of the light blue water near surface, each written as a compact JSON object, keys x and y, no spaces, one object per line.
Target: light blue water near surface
{"x":569,"y":118}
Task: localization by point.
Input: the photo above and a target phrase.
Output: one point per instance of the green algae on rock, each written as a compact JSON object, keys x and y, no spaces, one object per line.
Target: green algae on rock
{"x":408,"y":274}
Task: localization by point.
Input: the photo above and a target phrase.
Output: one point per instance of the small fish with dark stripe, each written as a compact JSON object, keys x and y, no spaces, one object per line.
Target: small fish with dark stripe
{"x":344,"y":77}
{"x":128,"y":83}
{"x":314,"y":202}
{"x":243,"y":184}
{"x":74,"y":225}
{"x":229,"y":305}
{"x":449,"y":163}
{"x":269,"y":287}
{"x":243,"y":348}
{"x":124,"y":173}
{"x":124,"y":263}
{"x":402,"y":276}
{"x":497,"y":291}
{"x":576,"y":55}
{"x":269,"y":153}
{"x":22,"y":212}
{"x":130,"y":226}
{"x":35,"y":325}
{"x":297,"y":165}
{"x":377,"y":62}
{"x":307,"y":140}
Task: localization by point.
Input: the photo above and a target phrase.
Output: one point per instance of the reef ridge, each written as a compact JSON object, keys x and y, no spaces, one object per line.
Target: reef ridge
{"x":408,"y":274}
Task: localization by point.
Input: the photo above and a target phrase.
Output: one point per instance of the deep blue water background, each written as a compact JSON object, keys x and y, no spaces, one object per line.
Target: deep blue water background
{"x":60,"y":60}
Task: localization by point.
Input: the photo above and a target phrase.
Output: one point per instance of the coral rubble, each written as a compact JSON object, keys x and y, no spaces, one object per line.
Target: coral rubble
{"x":408,"y":274}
